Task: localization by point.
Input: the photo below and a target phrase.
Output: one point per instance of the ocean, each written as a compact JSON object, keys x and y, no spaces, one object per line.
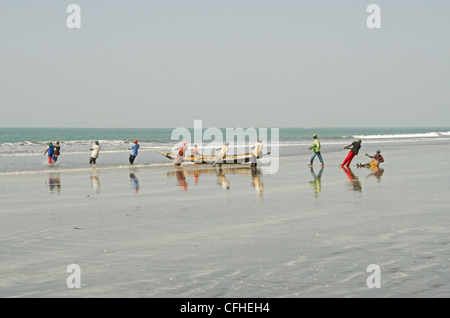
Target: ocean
{"x":22,"y":149}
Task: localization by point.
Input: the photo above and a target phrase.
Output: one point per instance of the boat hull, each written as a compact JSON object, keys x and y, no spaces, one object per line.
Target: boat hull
{"x":230,"y":159}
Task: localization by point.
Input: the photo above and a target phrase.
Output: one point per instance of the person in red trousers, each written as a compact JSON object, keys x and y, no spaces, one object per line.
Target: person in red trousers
{"x":355,"y":146}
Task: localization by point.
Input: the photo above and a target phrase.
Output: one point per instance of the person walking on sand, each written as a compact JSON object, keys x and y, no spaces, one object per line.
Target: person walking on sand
{"x":221,"y":155}
{"x":181,"y":153}
{"x":316,"y":151}
{"x":56,"y":151}
{"x":134,"y":151}
{"x":49,"y":152}
{"x":354,"y":149}
{"x":256,"y":153}
{"x":94,"y":155}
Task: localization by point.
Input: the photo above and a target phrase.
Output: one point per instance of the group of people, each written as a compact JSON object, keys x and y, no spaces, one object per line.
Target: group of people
{"x":221,"y":155}
{"x":133,"y":154}
{"x":54,"y":150}
{"x":354,"y":150}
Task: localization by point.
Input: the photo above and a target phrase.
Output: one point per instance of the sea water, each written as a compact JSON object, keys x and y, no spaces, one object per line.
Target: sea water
{"x":22,"y":149}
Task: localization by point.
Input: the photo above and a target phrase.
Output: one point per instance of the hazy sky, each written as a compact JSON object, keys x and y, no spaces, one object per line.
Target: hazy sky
{"x":231,"y":63}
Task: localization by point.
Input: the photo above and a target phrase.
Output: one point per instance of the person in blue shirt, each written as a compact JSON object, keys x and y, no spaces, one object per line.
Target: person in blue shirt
{"x":50,"y":151}
{"x":134,"y":151}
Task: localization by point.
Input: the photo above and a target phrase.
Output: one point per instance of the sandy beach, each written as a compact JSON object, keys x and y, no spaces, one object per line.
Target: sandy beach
{"x":199,"y":231}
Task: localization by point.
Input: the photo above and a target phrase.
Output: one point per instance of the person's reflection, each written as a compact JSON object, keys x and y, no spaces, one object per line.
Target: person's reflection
{"x":196,"y":176}
{"x":353,"y":179}
{"x":377,"y":172}
{"x":95,"y":181}
{"x":54,"y":183}
{"x":222,"y":179}
{"x":181,"y":180}
{"x":317,"y":182}
{"x":256,"y":181}
{"x":134,"y":182}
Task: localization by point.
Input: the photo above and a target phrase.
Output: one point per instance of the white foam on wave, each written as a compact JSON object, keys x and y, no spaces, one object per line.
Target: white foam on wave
{"x":400,"y":136}
{"x":77,"y":147}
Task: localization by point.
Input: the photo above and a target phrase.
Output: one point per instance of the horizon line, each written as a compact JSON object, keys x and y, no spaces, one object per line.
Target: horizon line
{"x":284,"y":127}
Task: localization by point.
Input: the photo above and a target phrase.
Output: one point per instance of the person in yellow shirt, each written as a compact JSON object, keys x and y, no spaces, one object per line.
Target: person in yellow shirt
{"x":316,"y":151}
{"x":376,"y":160}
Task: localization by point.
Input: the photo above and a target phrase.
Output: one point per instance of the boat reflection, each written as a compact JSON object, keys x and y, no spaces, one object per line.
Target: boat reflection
{"x":183,"y":173}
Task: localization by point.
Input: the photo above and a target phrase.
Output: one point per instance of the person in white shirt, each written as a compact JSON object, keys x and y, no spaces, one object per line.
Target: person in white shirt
{"x":181,"y":153}
{"x":221,"y":155}
{"x":94,"y":155}
{"x":257,"y":152}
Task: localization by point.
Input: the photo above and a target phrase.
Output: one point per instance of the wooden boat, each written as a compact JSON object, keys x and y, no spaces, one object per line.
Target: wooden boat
{"x":238,"y":158}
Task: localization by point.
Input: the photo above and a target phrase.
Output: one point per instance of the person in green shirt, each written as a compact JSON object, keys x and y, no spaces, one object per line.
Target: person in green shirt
{"x":316,"y":151}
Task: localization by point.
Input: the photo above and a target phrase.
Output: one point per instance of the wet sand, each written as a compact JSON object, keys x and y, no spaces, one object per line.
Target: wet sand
{"x":198,"y":231}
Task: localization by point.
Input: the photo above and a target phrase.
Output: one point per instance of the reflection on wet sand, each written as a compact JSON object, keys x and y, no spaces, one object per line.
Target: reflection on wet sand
{"x":222,"y":179}
{"x":54,"y":183}
{"x":221,"y":173}
{"x":377,"y":172}
{"x":196,"y":177}
{"x":317,"y":182}
{"x":354,"y":181}
{"x":95,"y":181}
{"x":134,"y":182}
{"x":256,"y":181}
{"x":181,"y":180}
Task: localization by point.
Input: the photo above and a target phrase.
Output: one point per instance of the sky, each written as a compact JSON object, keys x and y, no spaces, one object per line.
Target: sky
{"x":229,"y":63}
